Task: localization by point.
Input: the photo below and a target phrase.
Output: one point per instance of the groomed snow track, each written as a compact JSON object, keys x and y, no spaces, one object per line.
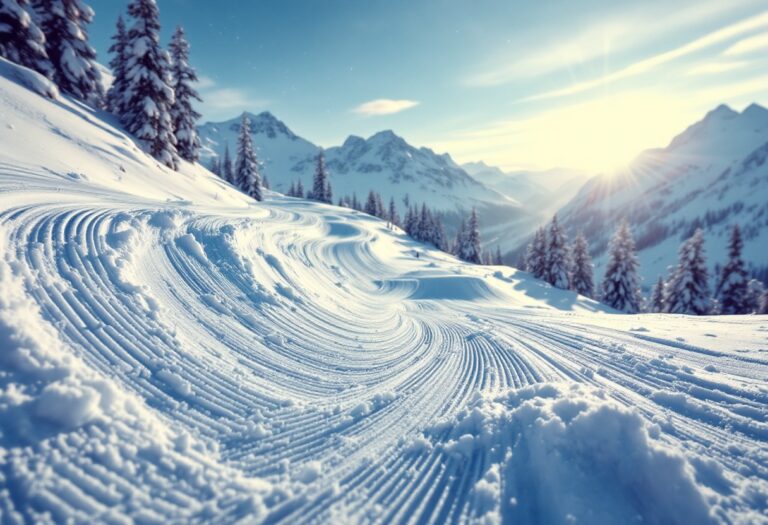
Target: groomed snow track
{"x":290,"y":362}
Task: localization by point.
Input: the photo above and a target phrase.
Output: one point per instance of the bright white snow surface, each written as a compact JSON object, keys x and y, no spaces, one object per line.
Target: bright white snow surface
{"x":172,"y":351}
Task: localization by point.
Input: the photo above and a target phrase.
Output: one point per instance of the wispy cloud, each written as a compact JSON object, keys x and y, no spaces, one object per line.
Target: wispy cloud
{"x":714,"y":68}
{"x":384,"y":106}
{"x":717,"y":37}
{"x":748,"y":45}
{"x":219,"y":101}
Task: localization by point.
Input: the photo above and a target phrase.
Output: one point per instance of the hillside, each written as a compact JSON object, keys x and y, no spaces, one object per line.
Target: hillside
{"x":173,"y":351}
{"x":711,"y":176}
{"x":383,"y":162}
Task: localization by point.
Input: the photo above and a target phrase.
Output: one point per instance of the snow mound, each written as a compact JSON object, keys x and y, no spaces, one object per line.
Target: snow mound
{"x":29,"y":79}
{"x":564,"y":453}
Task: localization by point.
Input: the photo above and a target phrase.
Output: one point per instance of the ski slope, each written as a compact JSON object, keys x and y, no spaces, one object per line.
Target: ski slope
{"x":175,"y":352}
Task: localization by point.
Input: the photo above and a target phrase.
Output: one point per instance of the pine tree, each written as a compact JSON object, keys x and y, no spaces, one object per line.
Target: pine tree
{"x":149,"y":95}
{"x":215,"y":166}
{"x":392,"y":215}
{"x":498,"y":260}
{"x":227,"y":171}
{"x":732,"y":288}
{"x":320,"y":183}
{"x":411,"y":221}
{"x":438,"y":233}
{"x":424,"y":226}
{"x":118,"y":65}
{"x":471,"y":251}
{"x":755,"y":291}
{"x":246,"y":166}
{"x":620,"y":285}
{"x":688,"y":288}
{"x":763,"y":304}
{"x":21,"y":40}
{"x":299,"y":189}
{"x":291,"y":190}
{"x":557,"y":257}
{"x":536,"y":256}
{"x":657,"y":303}
{"x":370,"y":204}
{"x":183,"y":114}
{"x":73,"y":60}
{"x":582,"y":270}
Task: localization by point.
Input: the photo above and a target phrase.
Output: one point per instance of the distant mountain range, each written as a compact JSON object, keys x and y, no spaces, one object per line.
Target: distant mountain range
{"x":711,"y":176}
{"x":383,"y":162}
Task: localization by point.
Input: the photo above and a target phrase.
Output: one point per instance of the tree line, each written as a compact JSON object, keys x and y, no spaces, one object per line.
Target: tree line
{"x":685,"y":290}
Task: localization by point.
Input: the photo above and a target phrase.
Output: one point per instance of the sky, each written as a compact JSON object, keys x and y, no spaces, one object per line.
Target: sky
{"x":582,"y":84}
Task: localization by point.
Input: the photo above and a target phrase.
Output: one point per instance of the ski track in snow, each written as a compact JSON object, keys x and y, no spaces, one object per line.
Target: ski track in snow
{"x":307,"y":370}
{"x":291,"y":362}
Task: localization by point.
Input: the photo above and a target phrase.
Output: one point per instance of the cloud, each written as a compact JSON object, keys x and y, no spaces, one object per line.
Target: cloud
{"x":748,"y":45}
{"x":601,"y":39}
{"x":204,"y":82}
{"x":714,"y":68}
{"x":717,"y":37}
{"x":384,"y":106}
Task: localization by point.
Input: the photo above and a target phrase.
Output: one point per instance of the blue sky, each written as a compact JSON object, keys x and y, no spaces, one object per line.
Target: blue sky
{"x":584,"y":84}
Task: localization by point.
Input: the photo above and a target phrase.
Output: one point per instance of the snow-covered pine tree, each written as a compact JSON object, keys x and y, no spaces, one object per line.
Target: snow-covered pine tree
{"x":21,"y":40}
{"x":411,"y":221}
{"x":755,"y":291}
{"x":438,"y":232}
{"x":498,"y":260}
{"x":291,"y":190}
{"x":688,"y":288}
{"x":246,"y":166}
{"x":582,"y":270}
{"x":763,"y":304}
{"x":536,"y":256}
{"x":656,"y":303}
{"x":215,"y":166}
{"x":149,"y":94}
{"x":471,"y":250}
{"x":425,"y":225}
{"x":370,"y":204}
{"x":620,"y":288}
{"x":732,"y":287}
{"x":381,"y":211}
{"x":557,"y":257}
{"x":392,"y":214}
{"x":183,"y":114}
{"x":460,"y":240}
{"x":72,"y":58}
{"x":320,"y":183}
{"x":118,"y":63}
{"x":227,"y":171}
{"x":299,"y":189}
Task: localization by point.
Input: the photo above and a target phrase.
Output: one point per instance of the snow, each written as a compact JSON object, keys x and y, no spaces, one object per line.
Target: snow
{"x":173,"y":351}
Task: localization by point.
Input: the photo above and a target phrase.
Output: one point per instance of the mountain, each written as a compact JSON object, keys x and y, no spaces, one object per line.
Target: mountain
{"x":172,"y":351}
{"x":540,"y":192}
{"x":384,"y":162}
{"x":711,"y":176}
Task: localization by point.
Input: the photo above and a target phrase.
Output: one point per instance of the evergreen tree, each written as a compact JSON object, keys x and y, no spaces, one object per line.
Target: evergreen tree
{"x":425,"y":224}
{"x":732,"y":288}
{"x":227,"y":171}
{"x":438,"y":233}
{"x":370,"y":204}
{"x":657,"y":304}
{"x":183,"y":114}
{"x":763,"y":304}
{"x":582,"y":270}
{"x":291,"y":190}
{"x":688,"y":288}
{"x":381,"y":211}
{"x":411,"y":221}
{"x":557,"y":257}
{"x":118,"y":65}
{"x":265,"y":183}
{"x":471,"y":251}
{"x":21,"y":40}
{"x":354,"y":203}
{"x":498,"y":260}
{"x":246,"y":166}
{"x":620,"y":284}
{"x":215,"y":166}
{"x":392,"y":215}
{"x":755,"y":291}
{"x":321,"y":185}
{"x":72,"y":59}
{"x":299,"y":189}
{"x":460,"y":240}
{"x":149,"y":95}
{"x":536,"y":256}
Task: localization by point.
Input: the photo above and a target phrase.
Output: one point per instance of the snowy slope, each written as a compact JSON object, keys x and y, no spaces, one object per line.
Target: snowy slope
{"x":175,"y":352}
{"x":385,"y":163}
{"x":712,"y":175}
